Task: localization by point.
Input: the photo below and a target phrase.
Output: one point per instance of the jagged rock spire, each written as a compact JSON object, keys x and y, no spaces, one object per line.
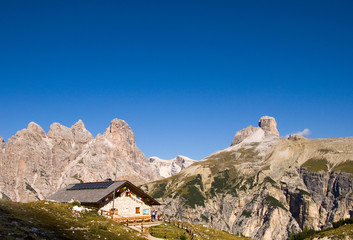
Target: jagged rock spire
{"x":2,"y":142}
{"x":80,"y":133}
{"x":34,"y":127}
{"x":268,"y":124}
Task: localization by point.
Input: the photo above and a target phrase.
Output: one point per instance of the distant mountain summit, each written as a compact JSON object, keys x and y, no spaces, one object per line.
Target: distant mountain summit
{"x":267,"y":127}
{"x":34,"y":165}
{"x":264,"y":186}
{"x":167,"y":168}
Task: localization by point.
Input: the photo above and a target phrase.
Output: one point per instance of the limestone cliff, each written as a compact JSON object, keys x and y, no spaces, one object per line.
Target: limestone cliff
{"x":264,"y":187}
{"x":167,"y":168}
{"x":35,"y":164}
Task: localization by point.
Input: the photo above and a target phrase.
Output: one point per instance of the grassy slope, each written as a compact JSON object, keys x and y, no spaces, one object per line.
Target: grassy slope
{"x":200,"y":232}
{"x":343,"y":232}
{"x":225,"y":175}
{"x":50,"y":220}
{"x":338,"y":233}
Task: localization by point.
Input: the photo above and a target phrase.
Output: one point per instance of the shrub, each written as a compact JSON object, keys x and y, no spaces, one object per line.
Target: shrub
{"x":304,"y":234}
{"x":246,"y":213}
{"x":342,"y":222}
{"x":76,"y":203}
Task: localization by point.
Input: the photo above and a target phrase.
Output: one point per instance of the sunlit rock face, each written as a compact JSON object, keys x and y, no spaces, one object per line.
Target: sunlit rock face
{"x":34,"y":164}
{"x":167,"y":168}
{"x":268,"y":124}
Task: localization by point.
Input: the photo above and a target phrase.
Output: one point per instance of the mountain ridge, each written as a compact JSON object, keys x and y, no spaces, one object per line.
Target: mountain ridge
{"x":168,"y":168}
{"x":34,"y":164}
{"x":264,"y":186}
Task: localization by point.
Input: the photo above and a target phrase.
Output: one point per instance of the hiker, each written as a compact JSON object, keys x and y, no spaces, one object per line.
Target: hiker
{"x":154,"y":215}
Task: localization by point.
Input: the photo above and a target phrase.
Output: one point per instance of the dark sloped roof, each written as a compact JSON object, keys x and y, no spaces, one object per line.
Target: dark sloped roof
{"x":93,"y":192}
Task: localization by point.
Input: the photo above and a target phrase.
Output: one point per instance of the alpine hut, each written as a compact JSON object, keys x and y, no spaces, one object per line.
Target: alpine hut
{"x":121,"y":200}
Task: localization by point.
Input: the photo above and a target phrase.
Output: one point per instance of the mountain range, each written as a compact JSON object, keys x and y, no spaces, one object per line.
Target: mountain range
{"x":34,"y":165}
{"x":264,"y":186}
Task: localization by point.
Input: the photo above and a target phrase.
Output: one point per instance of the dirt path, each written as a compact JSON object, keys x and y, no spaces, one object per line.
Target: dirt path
{"x":137,"y":227}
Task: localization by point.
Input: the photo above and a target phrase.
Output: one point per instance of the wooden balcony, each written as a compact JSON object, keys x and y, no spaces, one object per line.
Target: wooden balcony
{"x":125,"y":219}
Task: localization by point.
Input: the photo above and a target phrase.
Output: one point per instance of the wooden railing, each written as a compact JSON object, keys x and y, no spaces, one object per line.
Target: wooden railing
{"x":125,"y":219}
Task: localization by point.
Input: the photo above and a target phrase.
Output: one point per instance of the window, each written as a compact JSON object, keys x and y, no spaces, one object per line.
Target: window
{"x":126,"y":194}
{"x":138,"y":210}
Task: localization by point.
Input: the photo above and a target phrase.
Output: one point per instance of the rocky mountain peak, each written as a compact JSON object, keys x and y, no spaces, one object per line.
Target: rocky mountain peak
{"x":269,"y":124}
{"x":60,"y":132}
{"x":79,"y":125}
{"x":80,"y":133}
{"x":119,"y":131}
{"x":242,"y":134}
{"x":36,"y":166}
{"x":2,"y":142}
{"x":35,"y":128}
{"x":167,"y":168}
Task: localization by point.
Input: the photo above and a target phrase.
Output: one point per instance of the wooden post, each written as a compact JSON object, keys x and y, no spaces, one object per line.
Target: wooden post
{"x":165,"y":233}
{"x":141,"y":227}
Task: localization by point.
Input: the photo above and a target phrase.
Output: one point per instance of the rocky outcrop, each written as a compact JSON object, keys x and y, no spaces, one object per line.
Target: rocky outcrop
{"x":167,"y":168}
{"x":34,"y":165}
{"x":269,"y":124}
{"x":242,"y":134}
{"x":2,"y":142}
{"x":35,"y":128}
{"x":295,"y":137}
{"x":80,"y":133}
{"x":264,"y":187}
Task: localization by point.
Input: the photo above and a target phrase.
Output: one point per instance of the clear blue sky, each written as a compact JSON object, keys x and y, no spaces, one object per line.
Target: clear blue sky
{"x":185,"y":75}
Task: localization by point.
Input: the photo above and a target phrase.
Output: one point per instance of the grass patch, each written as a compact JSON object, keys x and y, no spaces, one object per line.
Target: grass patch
{"x":248,"y":153}
{"x":160,"y":190}
{"x":191,"y":193}
{"x":225,"y":156}
{"x":274,"y":203}
{"x":302,"y":192}
{"x":30,"y":188}
{"x":4,"y":196}
{"x":271,"y":181}
{"x":42,"y":173}
{"x":246,"y":213}
{"x":200,"y":232}
{"x":346,"y":166}
{"x":316,"y":165}
{"x":168,"y":231}
{"x":225,"y":182}
{"x":204,"y":218}
{"x":250,"y":182}
{"x":342,"y":229}
{"x":52,"y":220}
{"x":77,"y":177}
{"x":326,"y":150}
{"x":306,"y":233}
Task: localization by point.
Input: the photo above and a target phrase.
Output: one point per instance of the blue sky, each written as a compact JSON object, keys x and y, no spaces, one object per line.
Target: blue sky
{"x":185,"y":75}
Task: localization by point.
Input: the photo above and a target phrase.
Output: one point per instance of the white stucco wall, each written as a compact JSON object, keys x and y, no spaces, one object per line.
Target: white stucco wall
{"x":127,"y":205}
